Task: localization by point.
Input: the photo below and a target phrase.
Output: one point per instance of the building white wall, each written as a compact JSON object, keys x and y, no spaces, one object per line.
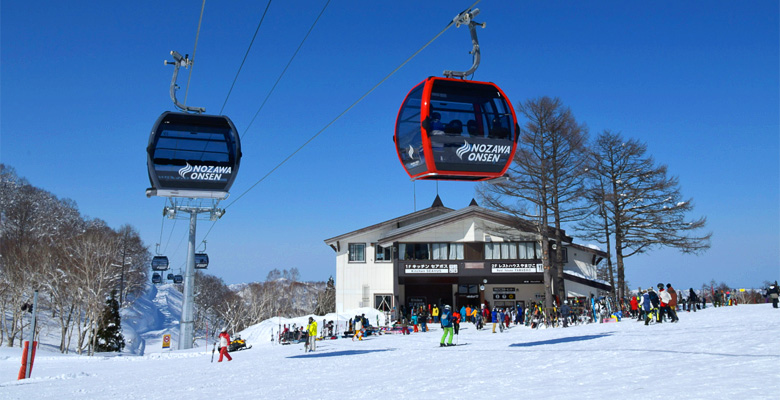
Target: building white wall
{"x":580,"y":263}
{"x":351,"y":277}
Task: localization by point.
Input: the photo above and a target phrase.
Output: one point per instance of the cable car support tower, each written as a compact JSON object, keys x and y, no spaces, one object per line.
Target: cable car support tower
{"x":173,"y":172}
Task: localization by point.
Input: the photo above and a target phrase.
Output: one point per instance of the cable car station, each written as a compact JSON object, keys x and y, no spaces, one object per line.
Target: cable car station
{"x":439,"y":255}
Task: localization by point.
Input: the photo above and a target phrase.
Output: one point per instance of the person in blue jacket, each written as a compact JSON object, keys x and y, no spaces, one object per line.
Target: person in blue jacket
{"x":446,"y":326}
{"x":647,"y":306}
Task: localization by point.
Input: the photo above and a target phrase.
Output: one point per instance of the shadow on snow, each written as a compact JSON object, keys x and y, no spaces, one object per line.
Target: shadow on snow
{"x":339,"y":353}
{"x":561,"y":340}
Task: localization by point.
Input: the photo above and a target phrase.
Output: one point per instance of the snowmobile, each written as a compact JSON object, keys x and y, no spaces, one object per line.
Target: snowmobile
{"x":238,"y":344}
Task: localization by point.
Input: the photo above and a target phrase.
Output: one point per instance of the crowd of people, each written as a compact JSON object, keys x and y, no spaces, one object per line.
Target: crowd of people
{"x":656,"y":305}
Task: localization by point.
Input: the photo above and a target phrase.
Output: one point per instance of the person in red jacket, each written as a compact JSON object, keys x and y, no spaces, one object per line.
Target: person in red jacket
{"x":673,"y":302}
{"x":634,"y":306}
{"x":224,"y":342}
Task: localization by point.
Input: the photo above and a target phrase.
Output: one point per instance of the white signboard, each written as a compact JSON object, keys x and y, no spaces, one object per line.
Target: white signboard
{"x":431,"y":268}
{"x":498,"y":268}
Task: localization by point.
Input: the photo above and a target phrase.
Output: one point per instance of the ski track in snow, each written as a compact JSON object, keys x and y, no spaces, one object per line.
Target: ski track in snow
{"x":717,"y":353}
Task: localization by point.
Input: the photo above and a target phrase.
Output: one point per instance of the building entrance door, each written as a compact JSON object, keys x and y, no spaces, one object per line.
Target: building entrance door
{"x":432,"y":294}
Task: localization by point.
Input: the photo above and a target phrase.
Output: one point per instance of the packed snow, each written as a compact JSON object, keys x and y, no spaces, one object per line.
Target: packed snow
{"x":715,"y":353}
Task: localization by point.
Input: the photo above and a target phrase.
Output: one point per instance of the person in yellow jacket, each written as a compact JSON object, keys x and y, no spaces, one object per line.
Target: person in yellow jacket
{"x":435,"y":314}
{"x":311,"y":342}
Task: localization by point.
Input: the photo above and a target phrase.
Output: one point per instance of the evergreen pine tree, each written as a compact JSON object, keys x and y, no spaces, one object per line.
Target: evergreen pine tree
{"x":109,"y":333}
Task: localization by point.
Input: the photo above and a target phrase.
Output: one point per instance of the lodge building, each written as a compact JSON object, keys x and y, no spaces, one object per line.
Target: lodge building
{"x":439,"y":255}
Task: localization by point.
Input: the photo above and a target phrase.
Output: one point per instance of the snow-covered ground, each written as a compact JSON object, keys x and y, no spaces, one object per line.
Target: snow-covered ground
{"x":717,"y":353}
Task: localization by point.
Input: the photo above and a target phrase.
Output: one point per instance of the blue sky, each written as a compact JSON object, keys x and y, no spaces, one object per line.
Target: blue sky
{"x":83,"y":82}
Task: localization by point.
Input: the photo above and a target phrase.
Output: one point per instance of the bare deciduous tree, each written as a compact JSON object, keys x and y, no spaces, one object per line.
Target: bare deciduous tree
{"x":546,"y":181}
{"x":642,"y":205}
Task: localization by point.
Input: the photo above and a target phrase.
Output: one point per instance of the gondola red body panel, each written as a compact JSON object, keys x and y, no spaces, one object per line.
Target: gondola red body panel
{"x":454,"y":129}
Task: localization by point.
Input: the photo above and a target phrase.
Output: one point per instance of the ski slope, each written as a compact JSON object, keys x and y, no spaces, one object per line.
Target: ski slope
{"x":717,"y":353}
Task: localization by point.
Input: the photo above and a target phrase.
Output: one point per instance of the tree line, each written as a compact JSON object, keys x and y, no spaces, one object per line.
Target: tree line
{"x":83,"y":270}
{"x":236,"y":308}
{"x":73,"y":261}
{"x":608,"y":188}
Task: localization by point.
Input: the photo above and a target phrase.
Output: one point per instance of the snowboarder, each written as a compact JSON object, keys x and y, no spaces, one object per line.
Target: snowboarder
{"x":224,"y":341}
{"x":446,"y":326}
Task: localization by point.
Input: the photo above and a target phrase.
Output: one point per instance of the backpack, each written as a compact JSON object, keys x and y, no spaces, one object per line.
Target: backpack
{"x":654,"y":299}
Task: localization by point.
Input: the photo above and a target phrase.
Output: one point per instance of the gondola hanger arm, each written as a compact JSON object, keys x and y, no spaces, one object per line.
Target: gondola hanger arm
{"x":185,"y":62}
{"x":467,"y":18}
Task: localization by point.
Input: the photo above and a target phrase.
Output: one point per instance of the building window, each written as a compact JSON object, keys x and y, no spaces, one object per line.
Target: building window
{"x":413,"y":251}
{"x":529,"y":251}
{"x":565,"y":255}
{"x":512,"y":251}
{"x":383,"y":302}
{"x":384,"y":254}
{"x":468,"y":289}
{"x":456,"y":251}
{"x":357,"y":252}
{"x":500,"y":250}
{"x":430,"y":251}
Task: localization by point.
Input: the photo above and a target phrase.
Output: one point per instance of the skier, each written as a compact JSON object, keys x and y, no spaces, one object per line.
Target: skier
{"x":224,"y":342}
{"x":312,"y":329}
{"x":435,"y":313}
{"x":446,"y":326}
{"x":773,"y":292}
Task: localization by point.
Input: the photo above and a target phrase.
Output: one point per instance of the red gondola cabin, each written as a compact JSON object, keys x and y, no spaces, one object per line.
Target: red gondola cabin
{"x":454,"y":129}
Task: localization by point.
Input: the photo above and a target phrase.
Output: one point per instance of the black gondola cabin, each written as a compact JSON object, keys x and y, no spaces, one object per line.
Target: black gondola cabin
{"x":156,"y":278}
{"x":178,"y":279}
{"x":192,"y":155}
{"x":159,"y":263}
{"x":201,"y":260}
{"x":454,"y":129}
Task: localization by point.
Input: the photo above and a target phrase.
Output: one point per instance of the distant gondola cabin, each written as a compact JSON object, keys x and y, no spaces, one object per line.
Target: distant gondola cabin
{"x":156,"y":278}
{"x":454,"y":129}
{"x":178,"y":279}
{"x":201,"y":260}
{"x":160,"y":263}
